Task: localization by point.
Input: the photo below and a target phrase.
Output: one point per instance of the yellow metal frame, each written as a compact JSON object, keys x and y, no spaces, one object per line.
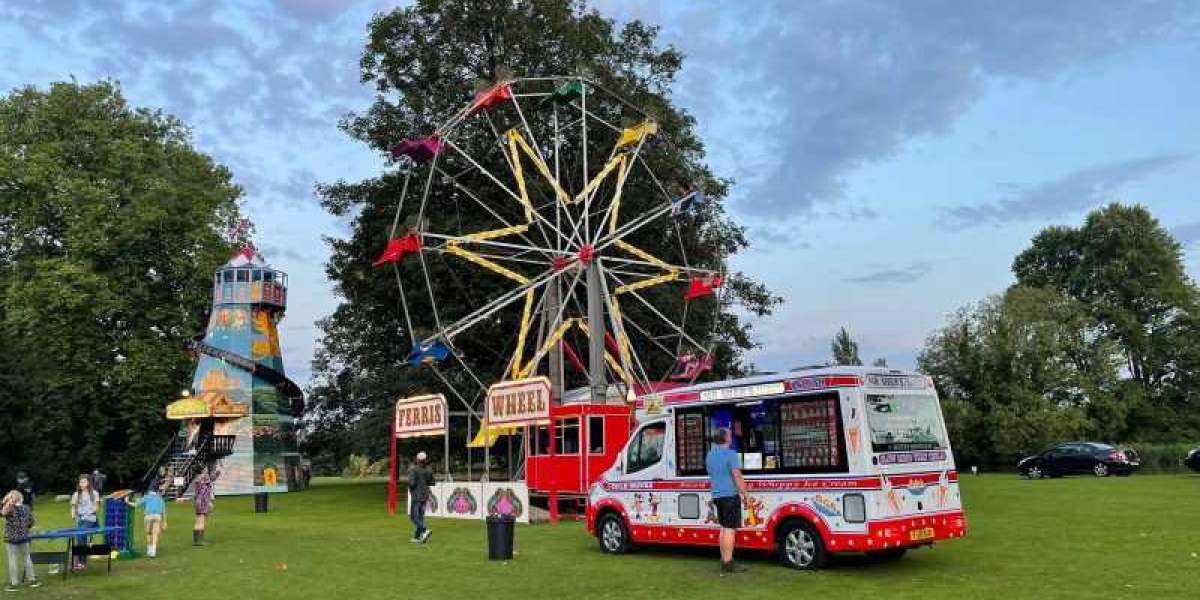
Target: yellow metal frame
{"x":454,"y":248}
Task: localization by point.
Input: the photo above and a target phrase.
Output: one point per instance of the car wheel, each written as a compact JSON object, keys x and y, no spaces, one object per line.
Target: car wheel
{"x":1034,"y":472}
{"x":1101,"y":470}
{"x":613,"y":535}
{"x":800,"y":546}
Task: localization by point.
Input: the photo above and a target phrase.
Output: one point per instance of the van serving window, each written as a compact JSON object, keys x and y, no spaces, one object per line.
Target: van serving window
{"x":539,"y":442}
{"x":796,"y":435}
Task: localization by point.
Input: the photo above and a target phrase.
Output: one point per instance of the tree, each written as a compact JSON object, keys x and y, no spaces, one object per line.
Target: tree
{"x":110,"y":228}
{"x":880,"y":362}
{"x":423,"y":61}
{"x":1128,"y":271}
{"x":1022,"y":370}
{"x":845,"y":349}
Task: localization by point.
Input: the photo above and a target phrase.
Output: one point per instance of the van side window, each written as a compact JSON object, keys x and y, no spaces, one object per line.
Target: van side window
{"x":795,"y":435}
{"x":647,"y":449}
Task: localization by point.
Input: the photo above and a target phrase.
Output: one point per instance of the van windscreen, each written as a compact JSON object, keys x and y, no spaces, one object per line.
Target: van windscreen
{"x":903,"y":423}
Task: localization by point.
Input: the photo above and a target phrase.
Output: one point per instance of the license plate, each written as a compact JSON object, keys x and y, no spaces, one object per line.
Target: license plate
{"x":917,"y":535}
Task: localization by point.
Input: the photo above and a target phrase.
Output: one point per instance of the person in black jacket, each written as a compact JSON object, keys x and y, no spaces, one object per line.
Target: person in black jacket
{"x":25,"y":486}
{"x":420,"y":478}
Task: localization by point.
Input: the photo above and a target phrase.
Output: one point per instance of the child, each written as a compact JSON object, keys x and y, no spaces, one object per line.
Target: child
{"x":154,"y":511}
{"x":84,"y":503}
{"x":203,"y":503}
{"x":18,"y":520}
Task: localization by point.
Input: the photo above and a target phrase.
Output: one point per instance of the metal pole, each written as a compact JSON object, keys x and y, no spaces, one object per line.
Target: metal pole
{"x":556,"y":355}
{"x":596,"y":366}
{"x":469,"y":476}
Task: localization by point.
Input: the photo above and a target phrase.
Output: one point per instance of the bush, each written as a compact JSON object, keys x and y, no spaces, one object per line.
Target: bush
{"x":1161,"y":457}
{"x":361,"y":467}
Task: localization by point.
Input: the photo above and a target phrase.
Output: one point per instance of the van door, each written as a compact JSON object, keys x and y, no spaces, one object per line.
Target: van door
{"x":642,"y":466}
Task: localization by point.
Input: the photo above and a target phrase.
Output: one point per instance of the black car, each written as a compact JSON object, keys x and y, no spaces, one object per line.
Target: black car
{"x":1071,"y":458}
{"x":1193,"y":459}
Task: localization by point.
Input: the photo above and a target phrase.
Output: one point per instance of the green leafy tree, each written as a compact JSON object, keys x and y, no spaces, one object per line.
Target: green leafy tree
{"x":423,"y":62}
{"x":1128,"y":271}
{"x":110,"y":228}
{"x":845,"y":349}
{"x":880,"y":362}
{"x":1020,"y":371}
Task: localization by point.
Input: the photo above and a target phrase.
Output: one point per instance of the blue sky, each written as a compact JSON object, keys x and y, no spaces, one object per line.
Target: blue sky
{"x":891,"y":158}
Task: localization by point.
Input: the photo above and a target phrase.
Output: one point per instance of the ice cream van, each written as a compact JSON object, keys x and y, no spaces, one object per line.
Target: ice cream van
{"x":836,"y":460}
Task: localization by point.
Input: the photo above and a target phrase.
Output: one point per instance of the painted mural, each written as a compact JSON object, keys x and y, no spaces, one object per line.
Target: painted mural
{"x":249,"y":299}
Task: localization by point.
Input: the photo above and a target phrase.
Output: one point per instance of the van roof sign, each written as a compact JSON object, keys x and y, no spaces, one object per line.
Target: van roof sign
{"x":908,"y":382}
{"x":743,"y":391}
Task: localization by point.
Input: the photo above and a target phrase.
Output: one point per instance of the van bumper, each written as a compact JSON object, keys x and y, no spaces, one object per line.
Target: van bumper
{"x":902,"y":532}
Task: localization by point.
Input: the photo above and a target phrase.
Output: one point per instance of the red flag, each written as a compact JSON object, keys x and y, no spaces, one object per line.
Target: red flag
{"x":398,"y":247}
{"x":702,"y":286}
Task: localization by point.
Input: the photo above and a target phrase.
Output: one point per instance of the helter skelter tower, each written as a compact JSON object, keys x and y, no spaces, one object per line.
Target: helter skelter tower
{"x":243,"y":409}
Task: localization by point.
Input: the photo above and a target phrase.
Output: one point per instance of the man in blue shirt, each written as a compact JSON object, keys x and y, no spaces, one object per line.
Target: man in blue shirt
{"x":724,"y":469}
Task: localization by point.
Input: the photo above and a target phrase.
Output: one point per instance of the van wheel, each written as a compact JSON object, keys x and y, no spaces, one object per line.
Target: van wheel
{"x":613,"y":535}
{"x":800,"y":546}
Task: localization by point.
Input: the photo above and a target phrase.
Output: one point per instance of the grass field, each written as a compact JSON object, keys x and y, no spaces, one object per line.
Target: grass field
{"x":1127,"y":537}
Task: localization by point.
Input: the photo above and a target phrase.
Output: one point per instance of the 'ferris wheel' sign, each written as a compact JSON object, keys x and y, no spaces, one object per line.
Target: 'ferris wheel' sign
{"x":420,"y":416}
{"x":519,"y":402}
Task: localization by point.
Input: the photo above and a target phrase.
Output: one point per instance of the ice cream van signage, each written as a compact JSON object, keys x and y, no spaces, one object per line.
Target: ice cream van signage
{"x":420,"y":416}
{"x":520,"y":402}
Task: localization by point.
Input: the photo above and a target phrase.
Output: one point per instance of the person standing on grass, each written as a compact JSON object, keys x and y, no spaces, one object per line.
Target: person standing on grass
{"x":98,"y":479}
{"x":18,"y":520}
{"x":84,"y":504}
{"x":25,"y":486}
{"x":154,"y":516}
{"x":203,"y":502}
{"x":728,"y":487}
{"x":420,"y":477}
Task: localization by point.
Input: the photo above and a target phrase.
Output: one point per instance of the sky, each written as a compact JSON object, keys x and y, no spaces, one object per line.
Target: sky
{"x":890,"y":158}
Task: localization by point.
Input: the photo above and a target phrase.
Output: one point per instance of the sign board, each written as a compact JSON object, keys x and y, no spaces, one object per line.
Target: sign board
{"x":420,"y":416}
{"x":745,"y":391}
{"x":475,"y":500}
{"x":519,"y":402}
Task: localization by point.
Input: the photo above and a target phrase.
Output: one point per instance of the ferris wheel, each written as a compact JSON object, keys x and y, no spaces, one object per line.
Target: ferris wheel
{"x":567,"y":184}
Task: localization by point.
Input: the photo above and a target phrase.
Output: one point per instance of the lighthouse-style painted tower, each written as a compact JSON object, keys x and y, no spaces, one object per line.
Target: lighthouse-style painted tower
{"x":240,"y":377}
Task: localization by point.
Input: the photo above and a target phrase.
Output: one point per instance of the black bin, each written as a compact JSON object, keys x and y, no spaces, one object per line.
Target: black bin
{"x":500,"y":537}
{"x":260,"y":502}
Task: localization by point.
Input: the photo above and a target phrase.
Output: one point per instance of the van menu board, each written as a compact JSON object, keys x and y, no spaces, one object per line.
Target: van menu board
{"x":519,"y":402}
{"x":420,"y":416}
{"x":689,"y":430}
{"x":809,"y":433}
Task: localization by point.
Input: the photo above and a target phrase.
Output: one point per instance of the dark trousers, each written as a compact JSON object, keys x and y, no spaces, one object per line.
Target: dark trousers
{"x":416,"y":513}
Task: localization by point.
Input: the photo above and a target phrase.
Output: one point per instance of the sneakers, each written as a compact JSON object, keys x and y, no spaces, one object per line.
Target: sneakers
{"x":425,"y":536}
{"x":731,"y":567}
{"x":415,"y":540}
{"x":35,"y":584}
{"x":11,"y":588}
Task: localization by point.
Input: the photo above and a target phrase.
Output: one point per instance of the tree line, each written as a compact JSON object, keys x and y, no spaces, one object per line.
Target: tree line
{"x":1098,"y":338}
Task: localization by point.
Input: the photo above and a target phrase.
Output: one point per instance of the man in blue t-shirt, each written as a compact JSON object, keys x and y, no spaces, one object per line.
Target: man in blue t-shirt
{"x":724,"y":469}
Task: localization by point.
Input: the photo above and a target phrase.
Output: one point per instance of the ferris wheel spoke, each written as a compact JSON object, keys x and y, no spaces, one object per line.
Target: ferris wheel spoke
{"x":514,"y":168}
{"x":493,"y":212}
{"x":495,"y":305}
{"x":660,"y":266}
{"x":649,"y":306}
